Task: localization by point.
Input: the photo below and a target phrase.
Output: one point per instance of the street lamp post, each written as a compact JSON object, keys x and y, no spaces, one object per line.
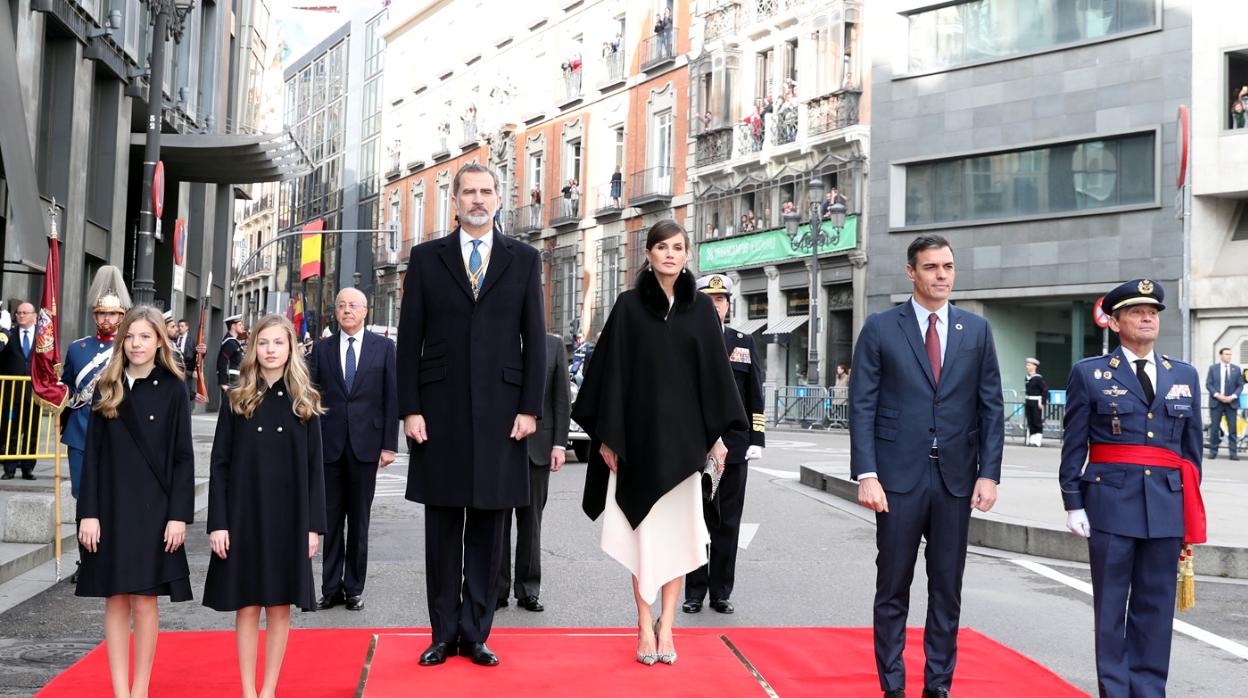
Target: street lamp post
{"x":168,"y":17}
{"x":817,"y":238}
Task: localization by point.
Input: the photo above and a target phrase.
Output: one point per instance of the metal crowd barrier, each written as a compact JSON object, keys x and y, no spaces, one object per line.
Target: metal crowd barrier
{"x":812,"y":406}
{"x":32,"y":433}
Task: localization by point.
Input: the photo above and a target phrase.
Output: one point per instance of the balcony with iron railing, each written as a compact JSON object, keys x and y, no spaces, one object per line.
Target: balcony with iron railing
{"x":570,"y":90}
{"x":653,"y":185}
{"x":612,"y":69}
{"x":832,"y":111}
{"x":566,"y":211}
{"x":658,"y":49}
{"x":530,"y":219}
{"x":785,"y":128}
{"x":759,"y":11}
{"x":749,"y":137}
{"x":713,"y":147}
{"x":610,"y":199}
{"x":722,"y":19}
{"x":383,"y":254}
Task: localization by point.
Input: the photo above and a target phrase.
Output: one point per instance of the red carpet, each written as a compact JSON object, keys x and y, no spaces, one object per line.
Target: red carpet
{"x":595,"y":662}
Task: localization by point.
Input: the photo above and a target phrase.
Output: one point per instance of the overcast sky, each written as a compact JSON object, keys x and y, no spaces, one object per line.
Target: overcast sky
{"x":302,"y":29}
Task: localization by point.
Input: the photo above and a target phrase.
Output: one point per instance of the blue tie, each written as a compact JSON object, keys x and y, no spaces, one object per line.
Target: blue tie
{"x":26,"y":343}
{"x":474,"y":259}
{"x":350,"y":362}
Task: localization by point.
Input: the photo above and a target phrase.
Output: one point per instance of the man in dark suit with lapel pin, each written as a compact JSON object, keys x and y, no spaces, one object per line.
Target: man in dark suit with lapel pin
{"x":1130,"y":479}
{"x":547,"y":448}
{"x":472,"y":358}
{"x":1224,"y":382}
{"x":926,"y":428}
{"x":356,"y":373}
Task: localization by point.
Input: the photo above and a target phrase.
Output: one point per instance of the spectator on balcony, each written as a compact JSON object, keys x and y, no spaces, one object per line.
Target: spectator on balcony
{"x":706,"y":120}
{"x":663,"y":29}
{"x":833,"y":196}
{"x":1237,"y":114}
{"x":574,"y":193}
{"x":787,"y":208}
{"x":617,"y":186}
{"x":535,"y":196}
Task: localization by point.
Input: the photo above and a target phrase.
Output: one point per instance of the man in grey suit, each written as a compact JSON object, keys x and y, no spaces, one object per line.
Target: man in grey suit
{"x":926,"y":432}
{"x":1224,"y":382}
{"x":546,"y":456}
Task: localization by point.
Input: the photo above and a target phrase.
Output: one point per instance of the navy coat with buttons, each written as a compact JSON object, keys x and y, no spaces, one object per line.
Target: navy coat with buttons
{"x":1124,"y":498}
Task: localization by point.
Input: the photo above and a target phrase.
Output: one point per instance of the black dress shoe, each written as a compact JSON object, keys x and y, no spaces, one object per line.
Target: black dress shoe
{"x":31,"y":476}
{"x":479,"y":653}
{"x":437,"y":653}
{"x":935,"y":693}
{"x":530,"y":603}
{"x":355,"y":603}
{"x":502,"y":603}
{"x":895,"y":693}
{"x":328,"y":602}
{"x":722,"y":605}
{"x":6,"y":476}
{"x":691,"y":606}
{"x":1232,"y":458}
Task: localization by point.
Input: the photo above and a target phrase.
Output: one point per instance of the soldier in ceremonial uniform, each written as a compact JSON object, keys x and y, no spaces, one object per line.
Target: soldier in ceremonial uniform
{"x":85,"y":359}
{"x":723,"y":514}
{"x":231,"y":355}
{"x":1130,"y":479}
{"x":1037,"y":392}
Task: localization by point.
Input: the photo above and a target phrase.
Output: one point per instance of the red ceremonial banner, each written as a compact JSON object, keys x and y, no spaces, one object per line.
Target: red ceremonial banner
{"x":45,"y":366}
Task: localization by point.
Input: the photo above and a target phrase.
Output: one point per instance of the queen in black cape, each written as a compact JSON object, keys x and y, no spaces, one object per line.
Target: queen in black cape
{"x":658,"y":395}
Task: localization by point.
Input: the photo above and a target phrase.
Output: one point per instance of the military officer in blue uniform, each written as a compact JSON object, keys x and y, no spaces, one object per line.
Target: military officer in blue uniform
{"x":1130,"y":483}
{"x":86,"y":358}
{"x":723,"y":514}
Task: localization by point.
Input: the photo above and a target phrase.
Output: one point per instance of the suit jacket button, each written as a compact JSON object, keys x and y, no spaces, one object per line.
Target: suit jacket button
{"x":1098,"y":478}
{"x":1148,"y":472}
{"x":280,"y":393}
{"x":1150,"y":434}
{"x":259,"y":428}
{"x":279,"y":428}
{"x":151,"y":417}
{"x":1150,"y":415}
{"x":155,"y":382}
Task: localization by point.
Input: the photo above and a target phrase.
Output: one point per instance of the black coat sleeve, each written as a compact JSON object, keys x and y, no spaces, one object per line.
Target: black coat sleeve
{"x":390,"y":401}
{"x":219,"y":472}
{"x":722,"y":410}
{"x":559,"y":396}
{"x":599,"y":408}
{"x":182,"y":494}
{"x":89,"y":488}
{"x":755,"y":404}
{"x":223,"y":367}
{"x":316,"y":479}
{"x":411,"y":338}
{"x":533,"y":335}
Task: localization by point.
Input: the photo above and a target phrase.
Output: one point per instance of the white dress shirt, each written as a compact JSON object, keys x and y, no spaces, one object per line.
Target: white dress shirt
{"x":342,"y":349}
{"x":465,"y":248}
{"x":1150,"y":368}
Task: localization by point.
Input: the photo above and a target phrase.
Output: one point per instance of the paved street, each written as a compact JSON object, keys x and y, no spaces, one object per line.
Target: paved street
{"x":808,"y":561}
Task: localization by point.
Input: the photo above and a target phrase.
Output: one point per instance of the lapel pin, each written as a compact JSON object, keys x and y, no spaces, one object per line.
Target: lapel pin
{"x":1097,"y":374}
{"x":957,"y":326}
{"x":1107,"y":375}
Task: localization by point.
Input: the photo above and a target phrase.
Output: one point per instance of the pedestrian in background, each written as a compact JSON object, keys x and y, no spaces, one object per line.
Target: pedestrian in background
{"x":547,"y":453}
{"x":19,"y":416}
{"x":657,"y":399}
{"x":354,"y":369}
{"x":137,"y":495}
{"x":266,"y":499}
{"x":1037,"y":393}
{"x":1224,"y":382}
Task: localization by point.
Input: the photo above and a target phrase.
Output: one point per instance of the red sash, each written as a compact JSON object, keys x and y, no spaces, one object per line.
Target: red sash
{"x":1194,"y":522}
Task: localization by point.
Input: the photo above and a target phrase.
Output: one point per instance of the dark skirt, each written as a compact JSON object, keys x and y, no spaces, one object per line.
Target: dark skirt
{"x":176,"y":590}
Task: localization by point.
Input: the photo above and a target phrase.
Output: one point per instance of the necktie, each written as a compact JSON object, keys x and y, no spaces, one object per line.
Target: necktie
{"x":26,"y":343}
{"x":350,"y":362}
{"x":933,"y":347}
{"x":1144,"y":381}
{"x":1223,"y":390}
{"x":474,"y":259}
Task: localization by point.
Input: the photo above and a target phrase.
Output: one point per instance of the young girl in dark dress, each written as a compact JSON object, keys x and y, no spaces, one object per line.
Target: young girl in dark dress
{"x":137,"y":495}
{"x":266,"y":499}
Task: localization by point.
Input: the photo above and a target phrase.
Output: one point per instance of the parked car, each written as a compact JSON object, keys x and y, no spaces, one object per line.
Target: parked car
{"x":578,"y":440}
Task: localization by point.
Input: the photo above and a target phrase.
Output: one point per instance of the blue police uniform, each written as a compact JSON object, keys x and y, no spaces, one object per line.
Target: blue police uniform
{"x":1135,"y":509}
{"x":84,"y":360}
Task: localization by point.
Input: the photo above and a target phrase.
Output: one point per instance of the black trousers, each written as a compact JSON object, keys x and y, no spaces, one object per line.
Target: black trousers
{"x":528,"y":539}
{"x":349,"y":488}
{"x":1035,"y":417}
{"x":928,"y":512}
{"x":19,"y":420}
{"x":1216,"y":413}
{"x":462,"y":550}
{"x":723,"y":520}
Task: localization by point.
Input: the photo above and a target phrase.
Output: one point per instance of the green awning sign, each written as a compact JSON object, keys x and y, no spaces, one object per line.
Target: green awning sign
{"x":771,"y":246}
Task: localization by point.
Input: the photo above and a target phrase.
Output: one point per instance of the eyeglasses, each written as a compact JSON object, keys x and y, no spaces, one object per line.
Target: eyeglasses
{"x":352,"y":305}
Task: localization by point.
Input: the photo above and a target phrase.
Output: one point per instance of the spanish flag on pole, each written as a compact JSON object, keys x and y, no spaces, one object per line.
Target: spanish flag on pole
{"x":311,"y":251}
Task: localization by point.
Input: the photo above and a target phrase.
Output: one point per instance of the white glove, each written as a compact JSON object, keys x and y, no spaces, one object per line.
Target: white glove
{"x":754,"y":453}
{"x":1077,"y":522}
{"x":6,"y":320}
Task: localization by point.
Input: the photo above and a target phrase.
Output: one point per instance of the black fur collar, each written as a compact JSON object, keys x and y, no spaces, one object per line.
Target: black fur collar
{"x":655,"y":300}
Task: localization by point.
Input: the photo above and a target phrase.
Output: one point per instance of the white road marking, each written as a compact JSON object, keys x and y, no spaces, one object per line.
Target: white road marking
{"x":390,"y":485}
{"x":748,"y":531}
{"x":778,"y":443}
{"x":785,"y":474}
{"x":1184,"y":627}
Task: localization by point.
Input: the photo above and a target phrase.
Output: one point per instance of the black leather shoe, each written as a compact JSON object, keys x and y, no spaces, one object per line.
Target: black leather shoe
{"x":1232,"y":458}
{"x":437,"y":653}
{"x":479,"y":653}
{"x":722,"y":605}
{"x":502,"y":603}
{"x":31,"y":476}
{"x":328,"y":602}
{"x":6,"y":476}
{"x":691,"y":606}
{"x":355,"y":603}
{"x":895,"y":693}
{"x":530,"y":603}
{"x":1213,"y":456}
{"x":935,"y":693}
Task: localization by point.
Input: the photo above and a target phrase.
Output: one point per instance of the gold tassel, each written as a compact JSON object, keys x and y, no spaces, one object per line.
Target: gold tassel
{"x":1187,"y":579}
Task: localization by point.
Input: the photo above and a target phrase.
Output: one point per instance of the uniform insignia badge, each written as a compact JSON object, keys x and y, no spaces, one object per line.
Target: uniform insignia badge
{"x":1097,"y":374}
{"x":1113,"y":363}
{"x":1166,"y":364}
{"x":1179,"y":391}
{"x":1107,"y":375}
{"x":1114,"y":392}
{"x":740,"y":355}
{"x":1146,"y":287}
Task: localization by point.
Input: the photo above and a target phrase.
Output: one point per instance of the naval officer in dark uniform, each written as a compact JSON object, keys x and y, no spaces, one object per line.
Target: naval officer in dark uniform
{"x":1130,"y":476}
{"x":723,"y":514}
{"x":230,"y":357}
{"x":1037,"y":392}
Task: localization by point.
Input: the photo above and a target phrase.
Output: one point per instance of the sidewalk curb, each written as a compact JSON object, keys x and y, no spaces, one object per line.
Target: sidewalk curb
{"x":1041,"y":541}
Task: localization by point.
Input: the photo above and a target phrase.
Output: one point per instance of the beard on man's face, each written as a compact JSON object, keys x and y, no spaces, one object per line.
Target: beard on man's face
{"x":475,"y":219}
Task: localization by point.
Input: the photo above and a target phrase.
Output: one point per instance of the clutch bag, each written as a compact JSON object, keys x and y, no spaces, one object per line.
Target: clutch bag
{"x":710,"y":479}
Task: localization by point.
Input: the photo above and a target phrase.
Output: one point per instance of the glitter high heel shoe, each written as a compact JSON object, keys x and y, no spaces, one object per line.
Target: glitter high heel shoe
{"x":668,"y":658}
{"x":647,"y":658}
